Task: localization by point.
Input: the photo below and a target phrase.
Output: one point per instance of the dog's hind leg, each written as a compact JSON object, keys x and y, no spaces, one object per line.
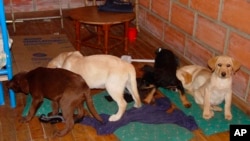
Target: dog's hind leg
{"x":131,"y":85}
{"x":67,"y":107}
{"x":55,"y":108}
{"x":80,"y":113}
{"x":78,"y":104}
{"x":69,"y":121}
{"x":117,"y":94}
{"x":80,"y":110}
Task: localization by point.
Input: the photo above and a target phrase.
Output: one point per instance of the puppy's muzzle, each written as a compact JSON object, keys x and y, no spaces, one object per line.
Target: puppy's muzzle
{"x":223,"y":74}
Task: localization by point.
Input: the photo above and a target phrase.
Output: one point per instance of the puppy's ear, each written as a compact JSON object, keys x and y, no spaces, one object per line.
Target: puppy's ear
{"x":236,"y":65}
{"x":22,"y":82}
{"x":9,"y":84}
{"x":184,"y":77}
{"x":188,"y":77}
{"x":158,"y":50}
{"x":211,"y":62}
{"x":24,"y":85}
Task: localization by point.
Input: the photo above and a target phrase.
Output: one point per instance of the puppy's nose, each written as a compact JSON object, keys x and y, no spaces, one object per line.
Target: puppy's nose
{"x":223,"y":74}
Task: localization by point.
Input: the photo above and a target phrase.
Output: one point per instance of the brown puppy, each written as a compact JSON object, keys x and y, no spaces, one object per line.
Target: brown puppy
{"x":211,"y":87}
{"x":65,"y":89}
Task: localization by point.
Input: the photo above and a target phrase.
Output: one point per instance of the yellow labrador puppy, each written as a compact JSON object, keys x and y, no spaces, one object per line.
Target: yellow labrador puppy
{"x":210,"y":87}
{"x":102,"y":71}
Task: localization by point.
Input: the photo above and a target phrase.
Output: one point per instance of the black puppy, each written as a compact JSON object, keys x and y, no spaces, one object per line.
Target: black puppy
{"x":163,"y":74}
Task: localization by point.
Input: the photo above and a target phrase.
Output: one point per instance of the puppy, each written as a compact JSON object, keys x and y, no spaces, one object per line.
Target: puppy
{"x":211,"y":87}
{"x":65,"y":89}
{"x":163,"y":74}
{"x":102,"y":71}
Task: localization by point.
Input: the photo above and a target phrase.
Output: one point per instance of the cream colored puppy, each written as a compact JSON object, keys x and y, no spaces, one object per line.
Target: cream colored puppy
{"x":102,"y":71}
{"x":210,"y":87}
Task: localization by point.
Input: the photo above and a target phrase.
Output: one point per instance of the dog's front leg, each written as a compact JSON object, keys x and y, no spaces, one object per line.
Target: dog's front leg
{"x":183,"y":97}
{"x":207,"y":113}
{"x":184,"y":100}
{"x":34,"y":106}
{"x":150,"y":97}
{"x":228,"y":100}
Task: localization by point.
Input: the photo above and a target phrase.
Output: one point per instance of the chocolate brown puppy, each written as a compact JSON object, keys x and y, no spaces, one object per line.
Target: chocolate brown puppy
{"x":64,"y":88}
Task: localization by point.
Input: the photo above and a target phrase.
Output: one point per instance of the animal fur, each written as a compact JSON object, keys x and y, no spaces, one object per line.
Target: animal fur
{"x":163,"y":74}
{"x":102,"y":71}
{"x":65,"y":89}
{"x":210,"y":87}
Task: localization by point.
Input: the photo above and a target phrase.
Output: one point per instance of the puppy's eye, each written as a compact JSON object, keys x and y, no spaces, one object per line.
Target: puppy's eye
{"x":228,"y":65}
{"x":219,"y":64}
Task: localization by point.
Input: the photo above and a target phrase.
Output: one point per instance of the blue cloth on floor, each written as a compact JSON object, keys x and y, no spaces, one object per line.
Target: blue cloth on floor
{"x":150,"y":114}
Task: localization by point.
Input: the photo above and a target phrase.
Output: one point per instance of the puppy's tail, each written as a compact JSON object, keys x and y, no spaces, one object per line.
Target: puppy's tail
{"x":91,"y":106}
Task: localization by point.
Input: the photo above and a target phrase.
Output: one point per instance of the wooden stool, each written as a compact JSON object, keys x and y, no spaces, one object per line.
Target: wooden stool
{"x":103,"y":20}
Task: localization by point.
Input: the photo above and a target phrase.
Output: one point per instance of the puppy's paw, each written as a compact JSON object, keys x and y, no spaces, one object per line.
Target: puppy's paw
{"x":60,"y":133}
{"x":185,"y":101}
{"x":57,"y":134}
{"x":137,"y":105}
{"x":208,"y":115}
{"x":228,"y":116}
{"x":114,"y":118}
{"x":187,"y":105}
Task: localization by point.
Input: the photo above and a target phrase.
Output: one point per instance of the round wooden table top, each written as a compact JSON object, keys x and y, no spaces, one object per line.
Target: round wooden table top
{"x":91,"y":15}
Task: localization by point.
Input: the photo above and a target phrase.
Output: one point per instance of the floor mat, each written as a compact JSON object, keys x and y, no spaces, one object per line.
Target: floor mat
{"x":137,"y":131}
{"x":214,"y":125}
{"x":134,"y":131}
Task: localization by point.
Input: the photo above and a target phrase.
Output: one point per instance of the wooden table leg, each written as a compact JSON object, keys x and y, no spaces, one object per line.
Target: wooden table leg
{"x":99,"y":35}
{"x":78,"y":37}
{"x":126,"y":25}
{"x":106,"y":28}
